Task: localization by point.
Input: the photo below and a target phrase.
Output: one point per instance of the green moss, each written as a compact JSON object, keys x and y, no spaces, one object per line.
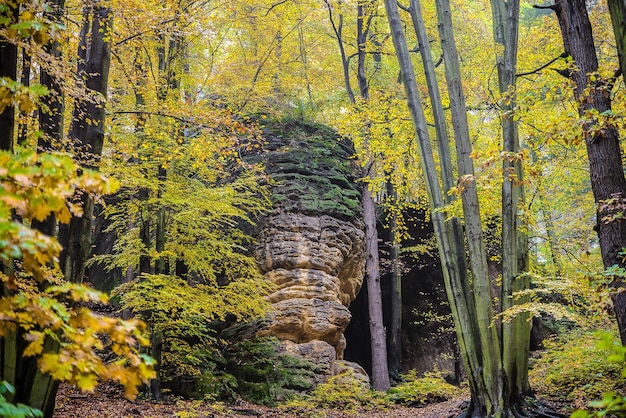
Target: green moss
{"x":312,"y":170}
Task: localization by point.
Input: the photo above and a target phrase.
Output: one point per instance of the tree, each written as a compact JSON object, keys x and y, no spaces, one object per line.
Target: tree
{"x":617,"y":9}
{"x":601,"y":139}
{"x":516,"y":331}
{"x":469,"y":292}
{"x":380,"y":370}
{"x":47,"y":335}
{"x":86,"y":133}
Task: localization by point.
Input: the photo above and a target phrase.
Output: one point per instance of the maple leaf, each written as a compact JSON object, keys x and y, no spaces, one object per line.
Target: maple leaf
{"x":87,"y":382}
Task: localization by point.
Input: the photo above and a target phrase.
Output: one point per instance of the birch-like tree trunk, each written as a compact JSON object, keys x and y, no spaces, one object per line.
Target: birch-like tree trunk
{"x":516,"y":332}
{"x":469,"y":293}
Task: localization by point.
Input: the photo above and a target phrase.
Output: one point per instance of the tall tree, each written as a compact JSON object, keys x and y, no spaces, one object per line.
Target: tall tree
{"x":515,"y":332}
{"x":469,"y":288}
{"x":86,"y":132}
{"x":602,"y":142}
{"x":378,"y":339}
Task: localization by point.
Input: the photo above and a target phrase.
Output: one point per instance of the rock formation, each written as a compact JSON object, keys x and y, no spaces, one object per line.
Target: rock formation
{"x":311,"y":246}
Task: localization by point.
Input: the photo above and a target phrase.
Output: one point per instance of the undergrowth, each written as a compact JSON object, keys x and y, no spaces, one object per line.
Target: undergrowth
{"x":574,"y":370}
{"x":419,"y":391}
{"x":350,"y":395}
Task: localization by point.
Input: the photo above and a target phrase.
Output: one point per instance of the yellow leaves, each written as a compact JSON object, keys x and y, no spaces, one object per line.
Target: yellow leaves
{"x":36,"y":185}
{"x":79,"y":333}
{"x":35,"y":343}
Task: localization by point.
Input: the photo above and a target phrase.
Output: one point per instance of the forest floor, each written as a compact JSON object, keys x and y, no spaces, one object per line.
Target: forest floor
{"x":108,"y":402}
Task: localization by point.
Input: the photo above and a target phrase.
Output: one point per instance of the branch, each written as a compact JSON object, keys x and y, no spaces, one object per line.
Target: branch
{"x":165,"y":115}
{"x":156,"y":27}
{"x":554,"y":7}
{"x":403,"y":7}
{"x":275,"y":5}
{"x":563,"y":55}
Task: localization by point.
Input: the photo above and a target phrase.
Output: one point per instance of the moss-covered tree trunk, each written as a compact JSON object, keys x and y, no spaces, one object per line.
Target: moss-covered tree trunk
{"x":516,"y":332}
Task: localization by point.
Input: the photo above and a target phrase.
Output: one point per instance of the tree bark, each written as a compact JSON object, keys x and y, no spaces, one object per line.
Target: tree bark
{"x":8,"y":69}
{"x":603,"y":146}
{"x":617,"y":10}
{"x":380,"y":367}
{"x":395,"y":327}
{"x":516,"y":332}
{"x":87,"y":132}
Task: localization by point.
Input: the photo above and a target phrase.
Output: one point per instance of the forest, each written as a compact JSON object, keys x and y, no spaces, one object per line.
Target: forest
{"x":312,"y":208}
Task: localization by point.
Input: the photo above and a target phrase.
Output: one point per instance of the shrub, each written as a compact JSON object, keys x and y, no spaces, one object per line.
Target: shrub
{"x":265,"y":375}
{"x":574,"y":369}
{"x":416,"y":391}
{"x":339,"y":392}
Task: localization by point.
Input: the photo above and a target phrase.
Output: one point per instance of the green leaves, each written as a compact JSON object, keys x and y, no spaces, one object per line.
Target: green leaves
{"x":8,"y":410}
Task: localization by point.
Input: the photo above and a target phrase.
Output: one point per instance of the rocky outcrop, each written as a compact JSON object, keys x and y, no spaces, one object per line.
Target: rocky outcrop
{"x":311,"y":246}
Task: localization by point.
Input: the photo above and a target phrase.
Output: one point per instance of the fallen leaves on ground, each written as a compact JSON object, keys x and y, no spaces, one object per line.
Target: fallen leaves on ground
{"x":108,"y":402}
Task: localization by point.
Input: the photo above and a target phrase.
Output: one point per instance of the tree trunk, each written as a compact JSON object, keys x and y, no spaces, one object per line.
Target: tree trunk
{"x":489,"y":396}
{"x":617,"y":9}
{"x":516,"y":332}
{"x":87,"y":132}
{"x":603,"y":145}
{"x":380,"y":368}
{"x":395,"y":327}
{"x":8,"y":69}
{"x":380,"y":373}
{"x":22,"y":135}
{"x":51,"y":120}
{"x":161,"y":265}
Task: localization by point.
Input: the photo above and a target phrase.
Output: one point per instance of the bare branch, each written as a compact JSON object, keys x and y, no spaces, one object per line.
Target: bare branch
{"x":563,"y":55}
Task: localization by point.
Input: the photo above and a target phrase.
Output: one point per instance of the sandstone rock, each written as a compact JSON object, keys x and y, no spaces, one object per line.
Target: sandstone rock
{"x":349,"y":372}
{"x":311,"y":246}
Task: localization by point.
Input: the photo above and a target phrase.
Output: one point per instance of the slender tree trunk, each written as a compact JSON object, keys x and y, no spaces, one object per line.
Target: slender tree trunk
{"x":617,"y":9}
{"x":378,"y":340}
{"x":489,"y":399}
{"x":338,"y":29}
{"x":380,"y":368}
{"x":22,"y":135}
{"x":51,"y":119}
{"x":549,"y":224}
{"x":516,"y":332}
{"x":8,"y":69}
{"x":603,"y":145}
{"x":161,"y":265}
{"x":395,"y":328}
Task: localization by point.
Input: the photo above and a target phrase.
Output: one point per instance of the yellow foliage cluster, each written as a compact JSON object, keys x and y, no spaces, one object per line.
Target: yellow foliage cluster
{"x":37,"y":304}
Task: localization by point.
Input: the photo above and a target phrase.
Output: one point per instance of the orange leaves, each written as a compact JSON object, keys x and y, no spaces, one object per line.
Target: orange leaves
{"x":78,"y":362}
{"x":36,"y":185}
{"x":79,"y":334}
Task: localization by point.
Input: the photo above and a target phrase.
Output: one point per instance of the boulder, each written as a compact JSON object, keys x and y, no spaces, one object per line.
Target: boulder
{"x":311,"y":245}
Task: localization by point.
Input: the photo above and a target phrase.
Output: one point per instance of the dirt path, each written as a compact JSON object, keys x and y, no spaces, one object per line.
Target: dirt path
{"x":109,"y":403}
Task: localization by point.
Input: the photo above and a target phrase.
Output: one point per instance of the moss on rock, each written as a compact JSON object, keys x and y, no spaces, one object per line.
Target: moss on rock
{"x":312,"y":170}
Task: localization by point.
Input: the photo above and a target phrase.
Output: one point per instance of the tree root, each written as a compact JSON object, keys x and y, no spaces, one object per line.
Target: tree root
{"x":522,"y":410}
